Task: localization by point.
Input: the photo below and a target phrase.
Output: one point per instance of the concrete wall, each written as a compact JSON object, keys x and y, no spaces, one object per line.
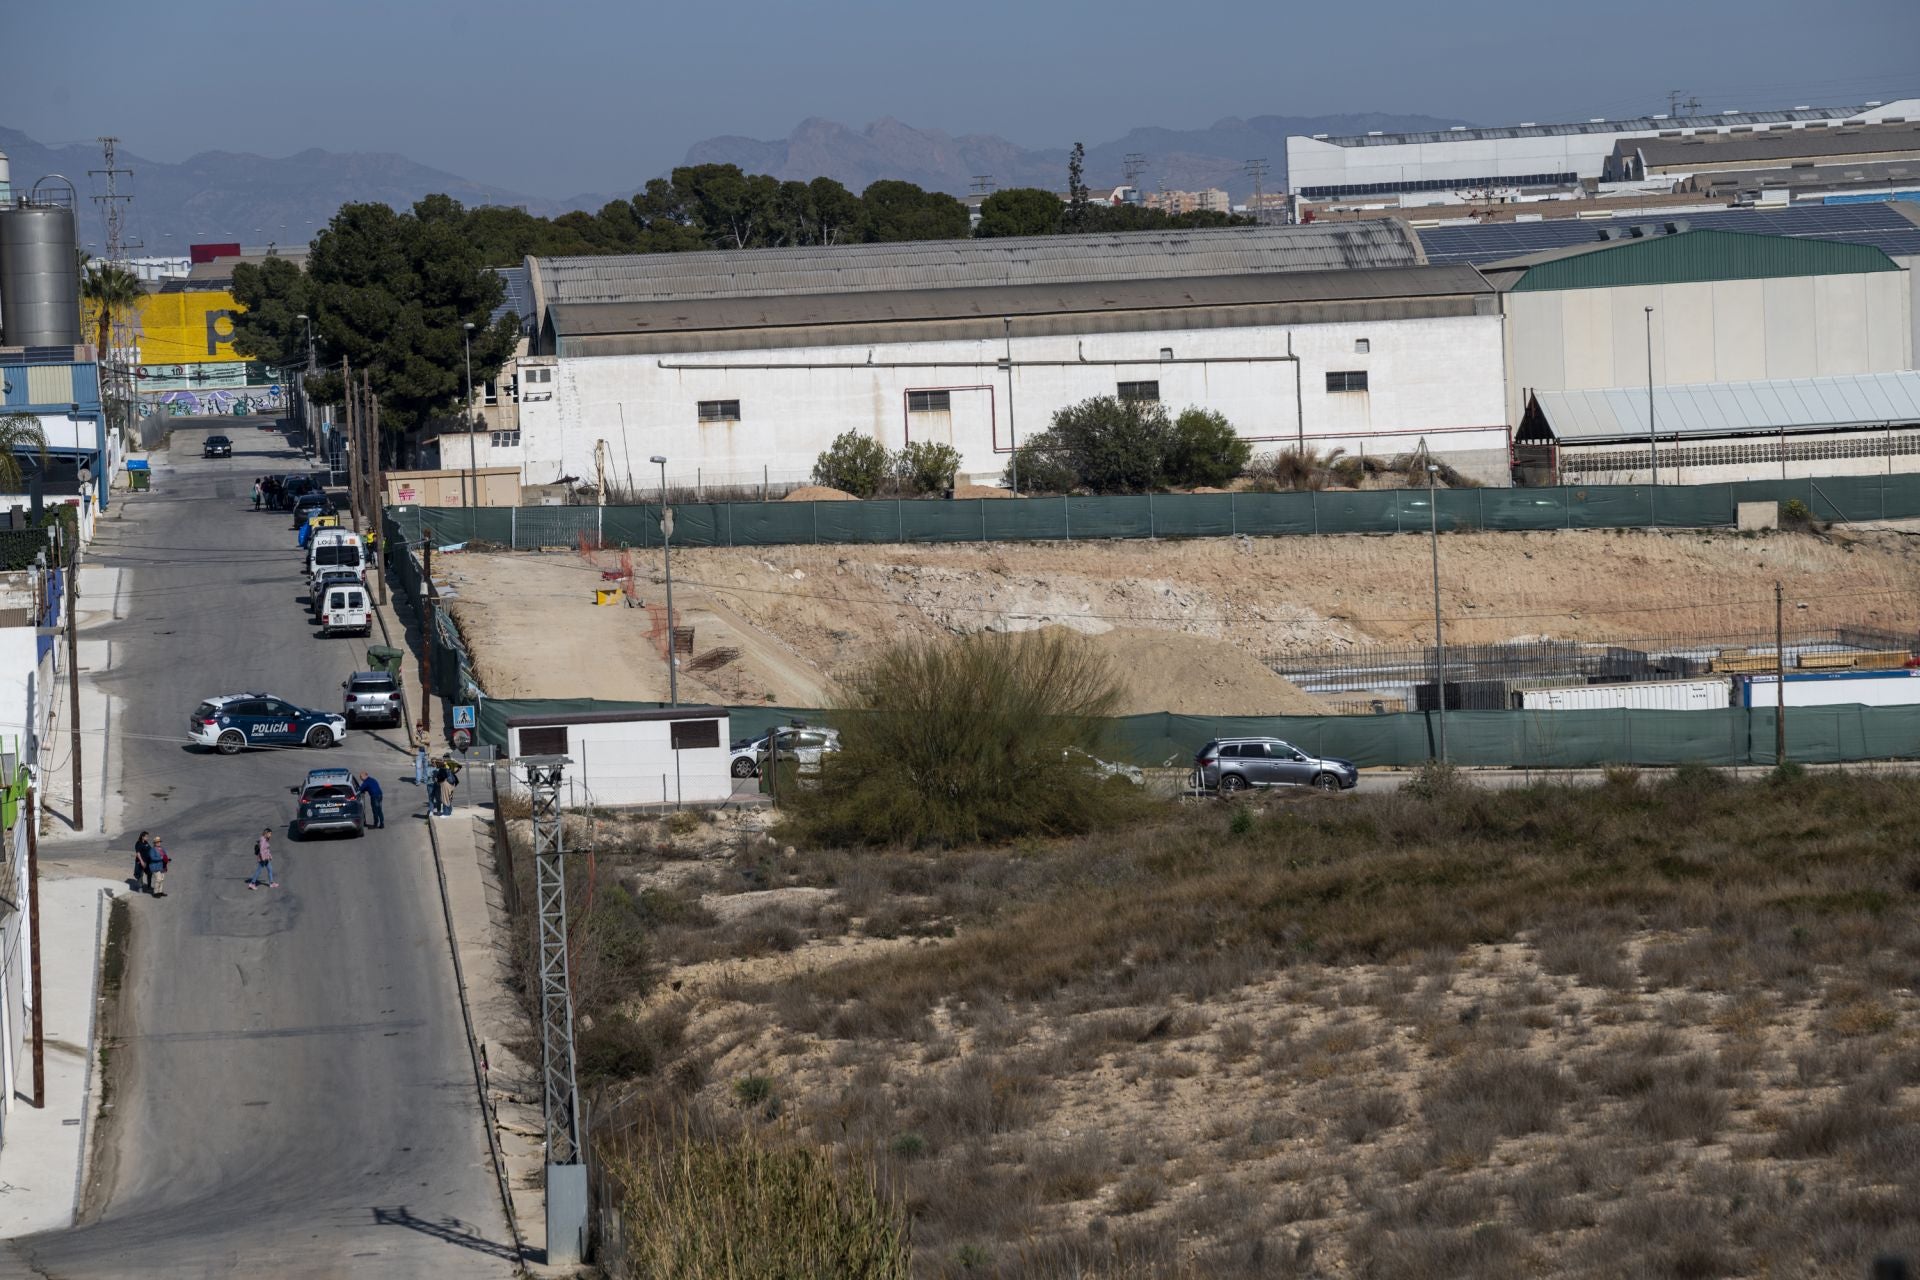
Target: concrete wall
{"x":1722,"y":331}
{"x":1856,"y":453}
{"x":633,"y":762}
{"x":498,"y":487}
{"x":1435,"y":377}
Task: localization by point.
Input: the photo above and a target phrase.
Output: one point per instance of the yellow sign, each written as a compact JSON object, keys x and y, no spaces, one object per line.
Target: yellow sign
{"x":182,"y":328}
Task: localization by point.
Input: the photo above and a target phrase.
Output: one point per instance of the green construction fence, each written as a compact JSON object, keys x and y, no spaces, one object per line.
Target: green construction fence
{"x":1182,"y":515}
{"x":1493,"y":739}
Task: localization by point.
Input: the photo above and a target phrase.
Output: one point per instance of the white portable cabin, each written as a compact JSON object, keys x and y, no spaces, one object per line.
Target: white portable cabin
{"x":1835,"y":689}
{"x":1639,"y":695}
{"x":673,"y":755}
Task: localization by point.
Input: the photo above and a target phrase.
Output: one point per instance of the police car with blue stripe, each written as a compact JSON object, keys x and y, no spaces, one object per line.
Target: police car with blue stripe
{"x":235,"y":721}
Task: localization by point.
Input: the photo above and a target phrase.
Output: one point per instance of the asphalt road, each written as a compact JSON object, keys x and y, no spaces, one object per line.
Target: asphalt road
{"x":291,"y":1088}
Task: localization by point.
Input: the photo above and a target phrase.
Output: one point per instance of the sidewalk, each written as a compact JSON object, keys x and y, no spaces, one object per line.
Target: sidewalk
{"x":483,"y":934}
{"x":42,"y":1160}
{"x":99,"y":604}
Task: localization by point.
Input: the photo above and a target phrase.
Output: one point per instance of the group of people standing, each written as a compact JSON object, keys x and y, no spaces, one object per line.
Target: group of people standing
{"x":440,"y":775}
{"x":266,"y":492}
{"x":150,"y":862}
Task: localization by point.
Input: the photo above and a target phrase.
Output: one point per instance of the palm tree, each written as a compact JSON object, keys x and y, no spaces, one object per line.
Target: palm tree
{"x":109,"y":291}
{"x":19,"y":432}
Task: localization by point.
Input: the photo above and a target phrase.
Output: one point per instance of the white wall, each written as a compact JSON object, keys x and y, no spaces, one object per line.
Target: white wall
{"x":633,"y":762}
{"x":1440,"y":377}
{"x":1718,"y":331}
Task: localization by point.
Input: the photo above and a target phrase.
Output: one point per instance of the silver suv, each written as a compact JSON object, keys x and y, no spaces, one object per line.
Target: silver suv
{"x":1234,"y":764}
{"x":802,"y":743}
{"x":371,"y":695}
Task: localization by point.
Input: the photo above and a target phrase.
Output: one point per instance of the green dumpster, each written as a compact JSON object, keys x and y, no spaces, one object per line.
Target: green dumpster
{"x":139,"y":476}
{"x":384,"y":657}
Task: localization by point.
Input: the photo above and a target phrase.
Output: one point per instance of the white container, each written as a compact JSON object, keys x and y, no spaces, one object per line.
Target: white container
{"x":1836,"y":689}
{"x":1642,"y":695}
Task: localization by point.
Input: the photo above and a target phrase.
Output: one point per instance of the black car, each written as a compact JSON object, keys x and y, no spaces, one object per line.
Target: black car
{"x":217,"y":447}
{"x":314,"y":502}
{"x":293,"y":487}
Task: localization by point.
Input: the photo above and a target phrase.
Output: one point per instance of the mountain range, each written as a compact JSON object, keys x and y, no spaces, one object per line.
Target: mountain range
{"x":224,"y":195}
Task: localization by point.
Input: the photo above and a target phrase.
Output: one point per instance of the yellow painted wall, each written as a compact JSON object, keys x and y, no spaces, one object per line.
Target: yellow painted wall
{"x":180,"y":328}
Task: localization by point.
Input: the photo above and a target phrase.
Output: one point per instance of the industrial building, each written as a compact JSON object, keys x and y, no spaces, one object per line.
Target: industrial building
{"x":739,"y":366}
{"x":1448,"y":165}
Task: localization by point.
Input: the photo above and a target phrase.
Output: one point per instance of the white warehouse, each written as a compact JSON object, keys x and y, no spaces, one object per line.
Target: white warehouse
{"x":1322,"y":336}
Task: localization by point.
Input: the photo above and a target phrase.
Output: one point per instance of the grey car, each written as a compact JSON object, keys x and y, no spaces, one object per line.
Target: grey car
{"x":1234,"y":764}
{"x":371,"y":695}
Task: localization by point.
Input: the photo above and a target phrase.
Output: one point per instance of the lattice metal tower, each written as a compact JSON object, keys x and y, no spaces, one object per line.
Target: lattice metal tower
{"x":1135,"y":165}
{"x":983,"y":184}
{"x":566,"y":1159}
{"x":1257,"y":170}
{"x":117,"y":361}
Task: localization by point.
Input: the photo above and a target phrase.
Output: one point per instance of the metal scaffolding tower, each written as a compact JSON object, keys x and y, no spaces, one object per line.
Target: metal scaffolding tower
{"x":566,"y":1160}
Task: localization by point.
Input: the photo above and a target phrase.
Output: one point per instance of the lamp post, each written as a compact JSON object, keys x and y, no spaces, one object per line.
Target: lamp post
{"x":1653,"y":437}
{"x":1439,"y":640}
{"x":1013,"y":436}
{"x":666,"y":548}
{"x":473,"y":468}
{"x":306,"y":401}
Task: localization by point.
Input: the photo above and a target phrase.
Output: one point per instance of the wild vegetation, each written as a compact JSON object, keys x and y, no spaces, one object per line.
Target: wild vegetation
{"x":1108,"y":445}
{"x":1653,"y":1028}
{"x":858,"y":464}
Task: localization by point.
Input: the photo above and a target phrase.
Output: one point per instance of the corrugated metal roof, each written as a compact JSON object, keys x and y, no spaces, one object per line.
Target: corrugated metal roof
{"x":1734,"y":408}
{"x":1637,"y":124}
{"x":518,"y":300}
{"x":1881,"y":225}
{"x":1780,"y":144}
{"x":1685,"y":257}
{"x":959,"y":264}
{"x":845,"y":308}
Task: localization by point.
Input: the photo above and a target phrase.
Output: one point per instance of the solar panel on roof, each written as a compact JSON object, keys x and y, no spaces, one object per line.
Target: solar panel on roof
{"x":1879,"y":225}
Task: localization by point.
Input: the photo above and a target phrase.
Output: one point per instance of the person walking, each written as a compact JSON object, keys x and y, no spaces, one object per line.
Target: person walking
{"x":370,"y":788}
{"x":140,"y":877}
{"x":439,"y":791}
{"x":158,"y":860}
{"x":263,"y":855}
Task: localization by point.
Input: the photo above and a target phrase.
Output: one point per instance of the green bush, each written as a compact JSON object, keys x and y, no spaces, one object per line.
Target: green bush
{"x":1040,"y":466}
{"x":1113,"y":445}
{"x":1204,"y":449}
{"x":962,"y":740}
{"x":926,"y":467}
{"x":854,"y":463}
{"x":738,"y":1208}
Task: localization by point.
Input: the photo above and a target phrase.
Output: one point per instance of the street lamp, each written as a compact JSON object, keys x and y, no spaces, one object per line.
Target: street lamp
{"x":1439,"y":640}
{"x":666,"y":548}
{"x":306,"y":401}
{"x":473,"y":468}
{"x":1653,"y":437}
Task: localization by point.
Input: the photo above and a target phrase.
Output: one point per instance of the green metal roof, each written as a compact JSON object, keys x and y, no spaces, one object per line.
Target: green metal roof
{"x":1688,"y":257}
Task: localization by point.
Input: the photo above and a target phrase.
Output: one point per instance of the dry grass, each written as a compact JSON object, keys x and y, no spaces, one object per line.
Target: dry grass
{"x":1650,"y":1030}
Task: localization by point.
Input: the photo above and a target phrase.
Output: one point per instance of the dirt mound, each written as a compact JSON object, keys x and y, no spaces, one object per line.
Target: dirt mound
{"x":1167,"y":671}
{"x":980,"y":491}
{"x":819,"y":493}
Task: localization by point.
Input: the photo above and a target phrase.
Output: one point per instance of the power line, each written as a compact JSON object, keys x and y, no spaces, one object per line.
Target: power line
{"x":1257,"y":170}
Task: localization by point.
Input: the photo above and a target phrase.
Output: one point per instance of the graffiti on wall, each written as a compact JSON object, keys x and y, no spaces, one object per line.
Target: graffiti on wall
{"x":234,"y":402}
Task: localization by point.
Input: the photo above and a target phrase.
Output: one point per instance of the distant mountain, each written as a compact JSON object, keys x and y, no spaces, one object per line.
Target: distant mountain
{"x":1181,"y":159}
{"x":224,"y":195}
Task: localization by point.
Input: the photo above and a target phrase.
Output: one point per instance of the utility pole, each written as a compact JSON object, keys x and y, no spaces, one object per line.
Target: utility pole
{"x":1439,"y":639}
{"x":473,"y":465}
{"x":353,"y":453}
{"x":73,"y":671}
{"x":1675,"y":105}
{"x":666,"y":549}
{"x":1013,"y":436}
{"x":1780,"y":680}
{"x":1653,"y":436}
{"x":983,"y":184}
{"x":566,"y":1170}
{"x":379,"y":506}
{"x":1257,"y":170}
{"x":426,"y":633}
{"x":33,"y":941}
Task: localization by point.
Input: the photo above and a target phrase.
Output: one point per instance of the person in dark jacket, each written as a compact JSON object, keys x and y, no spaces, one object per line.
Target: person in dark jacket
{"x":370,"y":788}
{"x":141,"y":878}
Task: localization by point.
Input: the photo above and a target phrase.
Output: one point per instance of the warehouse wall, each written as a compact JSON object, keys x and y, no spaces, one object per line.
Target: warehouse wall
{"x":1436,"y":376}
{"x":1721,"y":331}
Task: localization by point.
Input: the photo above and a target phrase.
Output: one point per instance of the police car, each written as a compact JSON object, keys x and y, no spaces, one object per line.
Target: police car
{"x":235,"y":721}
{"x":329,"y":801}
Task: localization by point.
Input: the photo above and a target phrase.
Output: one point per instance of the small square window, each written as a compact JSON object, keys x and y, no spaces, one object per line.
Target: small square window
{"x":929,"y":402}
{"x":719,"y":411}
{"x":689,"y":735}
{"x":1347,"y":380}
{"x":546,"y":740}
{"x":1146,"y":392}
{"x":1361,"y":346}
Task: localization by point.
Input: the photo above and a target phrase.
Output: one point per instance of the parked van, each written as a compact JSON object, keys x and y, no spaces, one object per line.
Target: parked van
{"x":344,"y":610}
{"x":336,"y":549}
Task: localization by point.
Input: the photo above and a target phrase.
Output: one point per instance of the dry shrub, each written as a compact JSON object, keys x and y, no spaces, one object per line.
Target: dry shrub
{"x":1490,"y":1097}
{"x":1368,"y":1113}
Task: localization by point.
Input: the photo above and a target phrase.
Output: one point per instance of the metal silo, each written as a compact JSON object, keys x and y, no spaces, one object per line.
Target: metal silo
{"x":39,"y":274}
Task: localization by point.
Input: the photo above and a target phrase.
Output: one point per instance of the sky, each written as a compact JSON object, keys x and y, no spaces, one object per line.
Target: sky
{"x":567,"y":96}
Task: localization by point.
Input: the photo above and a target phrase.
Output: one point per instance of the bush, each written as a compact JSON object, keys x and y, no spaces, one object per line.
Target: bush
{"x":1294,"y":469}
{"x":1113,"y":445}
{"x":1040,"y":466}
{"x":854,"y":463}
{"x":926,"y":467}
{"x":967,"y":739}
{"x":737,"y":1206}
{"x":1204,"y":449}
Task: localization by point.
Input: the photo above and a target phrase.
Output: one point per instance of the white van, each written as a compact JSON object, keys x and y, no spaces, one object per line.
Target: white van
{"x":344,"y":610}
{"x":337,"y":549}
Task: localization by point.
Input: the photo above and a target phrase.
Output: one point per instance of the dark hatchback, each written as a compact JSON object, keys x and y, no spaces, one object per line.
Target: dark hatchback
{"x":217,"y":447}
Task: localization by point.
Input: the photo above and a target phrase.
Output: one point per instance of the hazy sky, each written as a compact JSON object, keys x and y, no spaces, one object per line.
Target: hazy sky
{"x":556,"y":97}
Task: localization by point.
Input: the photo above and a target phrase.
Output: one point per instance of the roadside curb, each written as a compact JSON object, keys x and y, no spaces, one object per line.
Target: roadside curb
{"x":487,"y":1117}
{"x":95,"y":1098}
